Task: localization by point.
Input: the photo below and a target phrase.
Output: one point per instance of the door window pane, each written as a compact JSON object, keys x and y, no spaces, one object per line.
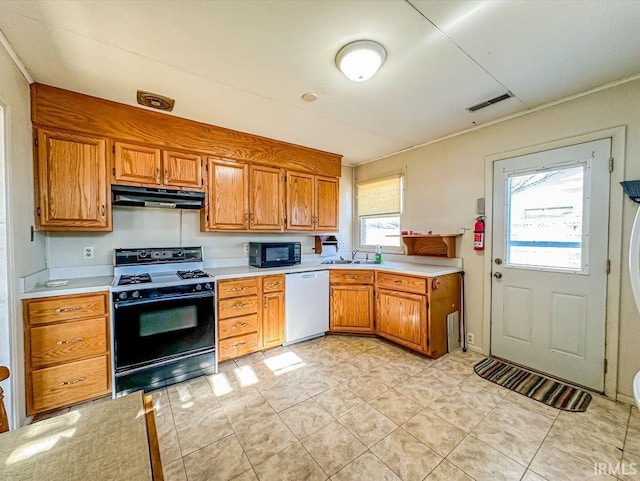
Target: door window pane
{"x":545,"y":218}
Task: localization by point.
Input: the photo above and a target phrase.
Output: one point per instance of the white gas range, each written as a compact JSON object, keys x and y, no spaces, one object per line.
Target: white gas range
{"x":163,"y":317}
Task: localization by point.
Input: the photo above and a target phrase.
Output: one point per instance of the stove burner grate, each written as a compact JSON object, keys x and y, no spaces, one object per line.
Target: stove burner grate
{"x":195,"y":274}
{"x":134,"y":279}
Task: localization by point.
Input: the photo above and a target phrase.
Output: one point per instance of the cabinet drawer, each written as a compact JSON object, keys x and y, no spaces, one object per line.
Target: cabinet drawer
{"x":237,"y":346}
{"x":273,"y":283}
{"x":351,"y":277}
{"x":402,"y":283}
{"x":237,"y":326}
{"x":239,"y":306}
{"x":69,"y":383}
{"x":64,"y":308}
{"x":237,"y":287}
{"x":68,"y":341}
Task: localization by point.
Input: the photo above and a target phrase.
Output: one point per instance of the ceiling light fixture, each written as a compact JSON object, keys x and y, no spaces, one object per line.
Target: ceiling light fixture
{"x":360,"y":60}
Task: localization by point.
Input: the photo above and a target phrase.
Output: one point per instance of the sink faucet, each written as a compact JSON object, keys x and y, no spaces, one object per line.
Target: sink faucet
{"x":353,"y":253}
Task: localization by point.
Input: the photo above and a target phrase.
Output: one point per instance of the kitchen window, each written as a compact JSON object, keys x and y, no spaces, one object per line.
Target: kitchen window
{"x":379,"y":207}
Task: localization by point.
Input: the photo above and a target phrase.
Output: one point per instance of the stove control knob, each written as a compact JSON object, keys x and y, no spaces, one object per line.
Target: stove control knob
{"x":198,"y":287}
{"x":135,"y":295}
{"x":207,"y":286}
{"x":122,"y":296}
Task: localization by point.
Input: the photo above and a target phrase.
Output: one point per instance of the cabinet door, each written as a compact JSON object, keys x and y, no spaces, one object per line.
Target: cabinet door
{"x":444,"y":299}
{"x":272,"y":332}
{"x":228,"y":185}
{"x":265,"y":198}
{"x":136,"y":164}
{"x":182,"y":170}
{"x":326,"y":204}
{"x":351,"y":308}
{"x":73,"y":191}
{"x":402,"y":317}
{"x":300,"y":214}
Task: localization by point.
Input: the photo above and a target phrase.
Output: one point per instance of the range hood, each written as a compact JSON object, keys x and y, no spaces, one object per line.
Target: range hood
{"x":152,"y":197}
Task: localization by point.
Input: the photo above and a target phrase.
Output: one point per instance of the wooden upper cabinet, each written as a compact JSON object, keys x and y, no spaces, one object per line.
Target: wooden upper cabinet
{"x":150,"y":166}
{"x":265,"y":198}
{"x":326,"y":203}
{"x":300,"y":200}
{"x":182,"y":170}
{"x":312,"y":202}
{"x":135,"y":164}
{"x":228,"y":185}
{"x":72,"y":182}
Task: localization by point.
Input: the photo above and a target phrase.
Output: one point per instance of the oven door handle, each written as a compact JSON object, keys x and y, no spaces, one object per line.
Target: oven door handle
{"x":139,"y":302}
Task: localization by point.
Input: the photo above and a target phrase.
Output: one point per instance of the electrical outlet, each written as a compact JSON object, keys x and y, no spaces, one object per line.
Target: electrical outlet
{"x":246,"y":248}
{"x":470,"y":338}
{"x":87,"y":252}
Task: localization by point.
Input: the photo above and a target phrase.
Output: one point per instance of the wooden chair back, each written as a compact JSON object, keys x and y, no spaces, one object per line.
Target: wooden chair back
{"x":4,"y":421}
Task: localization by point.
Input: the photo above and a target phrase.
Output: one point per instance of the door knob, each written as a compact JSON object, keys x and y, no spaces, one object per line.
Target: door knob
{"x":498,"y":261}
{"x":498,"y":275}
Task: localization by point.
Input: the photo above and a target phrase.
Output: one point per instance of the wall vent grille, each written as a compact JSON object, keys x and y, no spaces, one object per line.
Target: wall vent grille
{"x":155,"y":101}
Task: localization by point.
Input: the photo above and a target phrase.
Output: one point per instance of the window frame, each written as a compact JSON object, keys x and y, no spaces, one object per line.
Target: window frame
{"x":358,"y":228}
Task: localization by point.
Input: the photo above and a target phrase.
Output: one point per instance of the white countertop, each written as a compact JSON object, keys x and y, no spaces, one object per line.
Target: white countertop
{"x":78,"y":285}
{"x":81,"y":285}
{"x":425,"y":270}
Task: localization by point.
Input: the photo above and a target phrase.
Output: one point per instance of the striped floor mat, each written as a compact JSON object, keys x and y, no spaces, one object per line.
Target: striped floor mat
{"x":548,"y":391}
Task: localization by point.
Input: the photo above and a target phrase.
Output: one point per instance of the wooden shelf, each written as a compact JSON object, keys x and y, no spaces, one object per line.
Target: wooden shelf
{"x":435,"y":245}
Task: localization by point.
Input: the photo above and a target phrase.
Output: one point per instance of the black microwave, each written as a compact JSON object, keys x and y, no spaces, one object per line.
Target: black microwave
{"x":274,"y":254}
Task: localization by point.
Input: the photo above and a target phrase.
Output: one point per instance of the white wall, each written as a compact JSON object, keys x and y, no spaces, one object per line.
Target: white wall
{"x":444,"y":179}
{"x":25,"y":257}
{"x":147,"y":227}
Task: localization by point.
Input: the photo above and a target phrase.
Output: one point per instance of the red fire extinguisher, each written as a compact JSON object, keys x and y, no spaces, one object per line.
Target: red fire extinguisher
{"x":478,"y":234}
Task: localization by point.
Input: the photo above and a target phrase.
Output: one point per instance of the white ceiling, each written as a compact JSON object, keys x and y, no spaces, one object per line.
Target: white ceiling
{"x":244,"y":64}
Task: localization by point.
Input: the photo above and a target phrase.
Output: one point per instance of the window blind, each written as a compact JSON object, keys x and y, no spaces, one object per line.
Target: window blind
{"x":380,"y":197}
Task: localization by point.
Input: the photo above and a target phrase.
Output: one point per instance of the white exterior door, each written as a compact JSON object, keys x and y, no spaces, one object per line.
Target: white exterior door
{"x":548,"y":298}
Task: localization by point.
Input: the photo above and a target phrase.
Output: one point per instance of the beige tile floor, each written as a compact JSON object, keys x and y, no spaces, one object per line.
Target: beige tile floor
{"x":360,"y":409}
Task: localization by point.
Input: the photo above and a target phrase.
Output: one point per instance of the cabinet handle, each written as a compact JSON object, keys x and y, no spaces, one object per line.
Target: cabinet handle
{"x":236,"y":326}
{"x":68,"y":309}
{"x":246,"y":217}
{"x":239,"y":306}
{"x":75,"y":381}
{"x":350,"y":277}
{"x":158,"y":175}
{"x":70,"y":341}
{"x":265,"y":302}
{"x":251,"y":218}
{"x":398,"y":281}
{"x":103,"y":210}
{"x":238,"y":345}
{"x":166,"y":176}
{"x":239,"y":288}
{"x":273,"y":284}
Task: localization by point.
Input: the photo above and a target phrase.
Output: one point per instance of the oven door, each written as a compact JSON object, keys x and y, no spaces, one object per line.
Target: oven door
{"x":147,"y":331}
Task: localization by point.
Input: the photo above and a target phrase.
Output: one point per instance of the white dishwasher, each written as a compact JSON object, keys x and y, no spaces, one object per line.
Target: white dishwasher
{"x":306,"y":305}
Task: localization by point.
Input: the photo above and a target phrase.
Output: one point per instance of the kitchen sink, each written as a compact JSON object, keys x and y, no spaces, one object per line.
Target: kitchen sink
{"x":349,"y":261}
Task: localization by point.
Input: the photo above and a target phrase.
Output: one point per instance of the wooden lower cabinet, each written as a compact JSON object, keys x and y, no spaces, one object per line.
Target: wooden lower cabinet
{"x":272,"y":332}
{"x":238,"y":317}
{"x":402,"y":318}
{"x":250,"y":315}
{"x":67,"y":350}
{"x":351,"y":308}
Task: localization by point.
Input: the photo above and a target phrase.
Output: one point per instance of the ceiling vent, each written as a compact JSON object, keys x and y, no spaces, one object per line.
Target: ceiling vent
{"x":492,"y":101}
{"x":155,"y":101}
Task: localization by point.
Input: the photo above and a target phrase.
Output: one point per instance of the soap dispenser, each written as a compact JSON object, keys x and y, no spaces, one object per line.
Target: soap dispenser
{"x":378,"y":254}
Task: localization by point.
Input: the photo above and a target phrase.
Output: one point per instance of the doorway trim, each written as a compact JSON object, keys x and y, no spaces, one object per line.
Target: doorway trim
{"x":614,"y":254}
